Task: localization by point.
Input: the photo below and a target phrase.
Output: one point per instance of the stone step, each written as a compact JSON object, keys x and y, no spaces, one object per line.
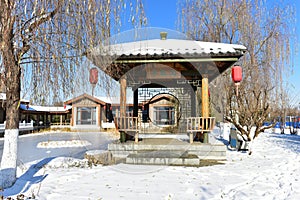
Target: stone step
{"x":163,"y":158}
{"x":169,"y":146}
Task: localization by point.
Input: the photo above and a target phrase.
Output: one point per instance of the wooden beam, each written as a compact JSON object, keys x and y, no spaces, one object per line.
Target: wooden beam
{"x":209,"y":59}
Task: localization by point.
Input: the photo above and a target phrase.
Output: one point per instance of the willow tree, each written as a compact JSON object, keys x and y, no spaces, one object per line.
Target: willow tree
{"x":45,"y":40}
{"x":266,"y":29}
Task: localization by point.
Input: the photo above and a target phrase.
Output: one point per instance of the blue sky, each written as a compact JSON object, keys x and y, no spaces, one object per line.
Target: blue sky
{"x":163,"y":13}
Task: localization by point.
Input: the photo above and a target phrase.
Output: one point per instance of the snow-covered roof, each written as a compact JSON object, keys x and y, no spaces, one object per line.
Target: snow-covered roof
{"x":115,"y":100}
{"x":169,"y":47}
{"x":45,"y":108}
{"x":51,"y":108}
{"x":119,"y":59}
{"x":101,"y":100}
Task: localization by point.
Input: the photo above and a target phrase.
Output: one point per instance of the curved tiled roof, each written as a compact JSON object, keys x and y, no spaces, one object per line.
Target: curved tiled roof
{"x":169,"y":47}
{"x":193,"y":57}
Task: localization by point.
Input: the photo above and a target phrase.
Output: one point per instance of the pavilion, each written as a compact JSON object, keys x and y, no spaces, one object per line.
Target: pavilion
{"x":163,"y":70}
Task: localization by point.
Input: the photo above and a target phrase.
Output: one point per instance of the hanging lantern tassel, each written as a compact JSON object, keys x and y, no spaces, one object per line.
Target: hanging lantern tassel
{"x":237,"y":88}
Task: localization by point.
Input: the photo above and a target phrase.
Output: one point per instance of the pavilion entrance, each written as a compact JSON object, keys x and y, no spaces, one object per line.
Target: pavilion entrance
{"x":165,"y":110}
{"x":165,"y":101}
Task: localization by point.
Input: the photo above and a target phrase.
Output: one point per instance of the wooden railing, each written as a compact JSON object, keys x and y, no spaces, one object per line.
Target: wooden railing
{"x":199,"y":125}
{"x":128,"y":125}
{"x":23,"y":126}
{"x":195,"y":125}
{"x":60,"y":124}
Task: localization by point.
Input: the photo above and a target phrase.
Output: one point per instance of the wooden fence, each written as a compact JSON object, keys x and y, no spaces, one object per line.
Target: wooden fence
{"x":128,"y":125}
{"x":199,"y":125}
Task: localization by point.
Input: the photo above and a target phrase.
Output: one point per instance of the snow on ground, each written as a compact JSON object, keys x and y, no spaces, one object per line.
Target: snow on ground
{"x":60,"y":144}
{"x":271,"y":172}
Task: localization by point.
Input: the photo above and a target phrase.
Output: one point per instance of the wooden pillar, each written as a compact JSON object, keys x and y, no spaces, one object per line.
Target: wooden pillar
{"x":38,"y":119}
{"x":61,"y":120}
{"x":205,"y":98}
{"x":136,"y":102}
{"x":205,"y":103}
{"x":123,"y":84}
{"x":99,"y":116}
{"x":73,"y":121}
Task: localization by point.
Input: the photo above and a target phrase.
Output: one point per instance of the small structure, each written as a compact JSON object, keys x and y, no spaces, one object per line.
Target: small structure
{"x":156,"y":71}
{"x":180,"y":68}
{"x":45,"y":116}
{"x":94,"y":113}
{"x":34,"y":117}
{"x":87,"y":112}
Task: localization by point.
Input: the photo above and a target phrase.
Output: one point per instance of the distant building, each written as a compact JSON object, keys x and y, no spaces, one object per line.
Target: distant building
{"x":84,"y":112}
{"x":90,"y":112}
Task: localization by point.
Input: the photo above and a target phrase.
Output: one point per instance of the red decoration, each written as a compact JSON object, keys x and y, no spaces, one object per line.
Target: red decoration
{"x":65,"y":106}
{"x":94,"y":75}
{"x":236,"y":74}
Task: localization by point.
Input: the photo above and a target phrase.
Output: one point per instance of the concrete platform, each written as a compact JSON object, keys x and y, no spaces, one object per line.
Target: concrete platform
{"x":166,"y":151}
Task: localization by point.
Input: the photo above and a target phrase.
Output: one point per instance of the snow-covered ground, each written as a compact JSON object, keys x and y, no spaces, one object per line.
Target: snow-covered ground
{"x":272,"y":171}
{"x":61,"y":144}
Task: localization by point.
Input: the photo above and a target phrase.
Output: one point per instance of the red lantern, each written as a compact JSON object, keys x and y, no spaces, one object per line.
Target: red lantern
{"x":93,"y":76}
{"x":65,"y":106}
{"x":236,"y":74}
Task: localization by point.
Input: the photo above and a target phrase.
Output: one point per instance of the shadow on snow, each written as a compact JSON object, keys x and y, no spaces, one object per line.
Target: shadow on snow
{"x":25,"y":181}
{"x":286,"y":141}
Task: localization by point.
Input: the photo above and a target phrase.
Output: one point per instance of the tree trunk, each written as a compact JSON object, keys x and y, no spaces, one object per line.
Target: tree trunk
{"x":12,"y":83}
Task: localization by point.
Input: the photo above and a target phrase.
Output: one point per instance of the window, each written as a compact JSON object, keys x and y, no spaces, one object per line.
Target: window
{"x":164,"y":115}
{"x":86,"y":116}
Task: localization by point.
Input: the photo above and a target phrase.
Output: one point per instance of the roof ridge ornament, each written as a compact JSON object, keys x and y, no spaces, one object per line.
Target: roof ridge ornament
{"x":163,"y":35}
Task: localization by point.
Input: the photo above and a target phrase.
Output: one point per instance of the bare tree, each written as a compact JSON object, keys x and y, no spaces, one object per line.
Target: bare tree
{"x":42,"y":42}
{"x":266,"y":29}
